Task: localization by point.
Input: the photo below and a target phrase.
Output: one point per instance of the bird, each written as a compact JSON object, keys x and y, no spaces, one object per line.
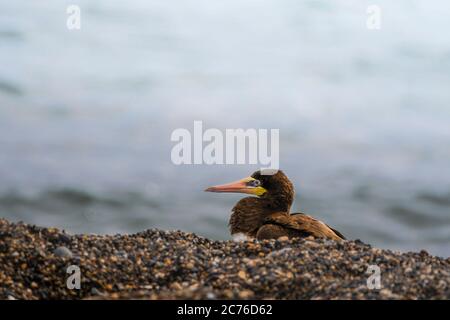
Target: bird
{"x":265,"y":214}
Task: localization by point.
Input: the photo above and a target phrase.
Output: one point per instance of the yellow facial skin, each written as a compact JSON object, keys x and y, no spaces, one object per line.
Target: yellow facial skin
{"x":257,"y":191}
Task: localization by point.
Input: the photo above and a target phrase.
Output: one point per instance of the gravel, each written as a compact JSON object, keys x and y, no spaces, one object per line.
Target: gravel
{"x":156,"y":264}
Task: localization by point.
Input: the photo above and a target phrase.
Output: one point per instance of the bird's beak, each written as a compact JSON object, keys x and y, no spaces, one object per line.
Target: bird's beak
{"x":240,"y":186}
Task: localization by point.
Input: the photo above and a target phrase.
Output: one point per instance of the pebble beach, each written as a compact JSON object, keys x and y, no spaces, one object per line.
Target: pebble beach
{"x":156,"y":264}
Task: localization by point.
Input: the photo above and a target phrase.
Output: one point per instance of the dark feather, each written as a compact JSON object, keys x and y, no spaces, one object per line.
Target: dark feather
{"x":268,"y":217}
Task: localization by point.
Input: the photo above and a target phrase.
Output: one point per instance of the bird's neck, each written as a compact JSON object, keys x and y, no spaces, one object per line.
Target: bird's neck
{"x":279,"y":203}
{"x":249,"y":213}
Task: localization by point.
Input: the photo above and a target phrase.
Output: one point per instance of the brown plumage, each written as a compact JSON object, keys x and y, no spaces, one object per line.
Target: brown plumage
{"x":268,"y":216}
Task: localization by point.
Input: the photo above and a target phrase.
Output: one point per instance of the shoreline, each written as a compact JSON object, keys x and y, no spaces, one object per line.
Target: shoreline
{"x":157,"y":264}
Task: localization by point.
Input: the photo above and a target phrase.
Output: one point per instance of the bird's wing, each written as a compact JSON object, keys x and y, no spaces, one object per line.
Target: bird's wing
{"x":337,"y":232}
{"x":304,"y":224}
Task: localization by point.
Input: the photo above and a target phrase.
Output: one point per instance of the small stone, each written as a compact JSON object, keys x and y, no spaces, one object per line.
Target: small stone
{"x":227,"y":294}
{"x":210,"y":296}
{"x":114,"y":295}
{"x":122,"y":254}
{"x":175,"y":286}
{"x":423,"y":253}
{"x":251,"y":263}
{"x":245,"y":294}
{"x":63,"y":252}
{"x":242,"y":275}
{"x":65,"y":238}
{"x":96,"y":292}
{"x":312,"y":244}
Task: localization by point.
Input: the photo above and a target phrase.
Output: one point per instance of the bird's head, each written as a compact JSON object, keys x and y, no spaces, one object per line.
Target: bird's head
{"x":275,"y":187}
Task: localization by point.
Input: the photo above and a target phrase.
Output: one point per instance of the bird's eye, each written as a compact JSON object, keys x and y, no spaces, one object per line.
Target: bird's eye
{"x":254,"y":183}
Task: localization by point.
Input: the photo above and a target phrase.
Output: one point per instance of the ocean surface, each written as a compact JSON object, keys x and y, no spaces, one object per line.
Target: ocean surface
{"x":364,"y":115}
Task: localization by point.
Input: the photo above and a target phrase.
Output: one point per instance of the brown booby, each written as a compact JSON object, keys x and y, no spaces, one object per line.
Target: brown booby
{"x":266,"y":214}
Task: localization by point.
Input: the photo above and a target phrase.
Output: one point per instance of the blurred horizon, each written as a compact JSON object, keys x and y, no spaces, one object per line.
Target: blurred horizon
{"x":86,"y":115}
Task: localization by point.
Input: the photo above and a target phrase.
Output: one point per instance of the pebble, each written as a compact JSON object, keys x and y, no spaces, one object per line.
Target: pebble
{"x":242,"y":275}
{"x":155,"y":264}
{"x":63,"y":252}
